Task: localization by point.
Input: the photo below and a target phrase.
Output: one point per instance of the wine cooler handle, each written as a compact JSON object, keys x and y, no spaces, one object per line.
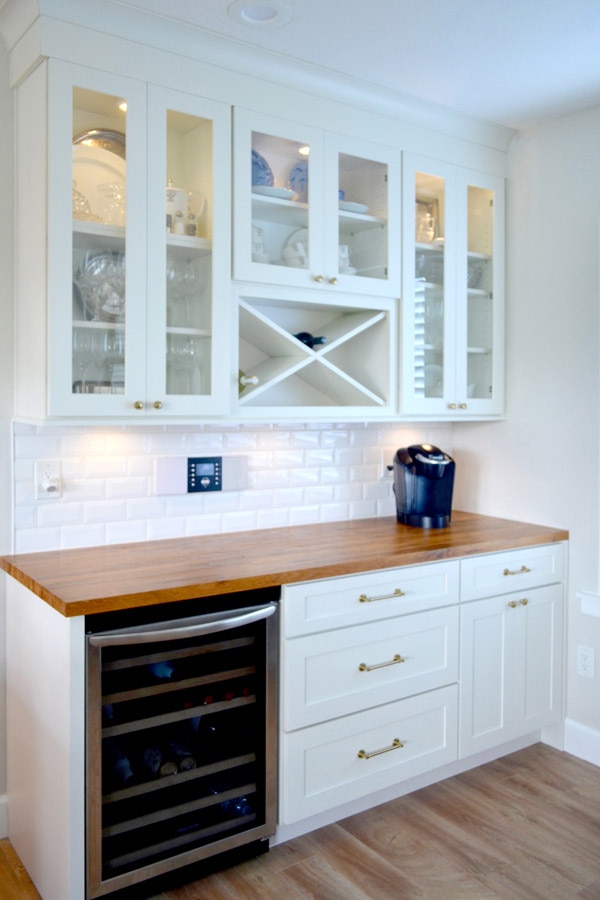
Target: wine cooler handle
{"x":174,"y":631}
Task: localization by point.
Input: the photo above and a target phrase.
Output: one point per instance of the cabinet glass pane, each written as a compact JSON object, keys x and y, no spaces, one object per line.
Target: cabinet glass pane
{"x":188,"y":229}
{"x":480,"y":242}
{"x":99,"y":193}
{"x":280,"y":197}
{"x":363,"y":217}
{"x":429,"y":285}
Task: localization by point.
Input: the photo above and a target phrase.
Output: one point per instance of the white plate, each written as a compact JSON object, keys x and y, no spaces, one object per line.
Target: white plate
{"x":348,"y":206}
{"x":279,"y":193}
{"x":300,"y":236}
{"x":93,"y":166}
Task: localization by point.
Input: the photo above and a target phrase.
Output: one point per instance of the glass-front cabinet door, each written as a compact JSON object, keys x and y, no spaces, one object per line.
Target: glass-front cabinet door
{"x":313,"y":208}
{"x":135,"y":248}
{"x":452,"y":291}
{"x":188,"y":260}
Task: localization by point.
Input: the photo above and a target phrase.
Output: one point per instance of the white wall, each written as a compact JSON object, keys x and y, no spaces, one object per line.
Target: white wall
{"x":542,"y":463}
{"x":6,"y":344}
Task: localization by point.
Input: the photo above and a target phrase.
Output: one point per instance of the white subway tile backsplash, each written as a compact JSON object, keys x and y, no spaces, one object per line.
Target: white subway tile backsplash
{"x":285,"y":459}
{"x":52,"y":513}
{"x":159,"y":529}
{"x":209,"y":524}
{"x":103,"y":466}
{"x":37,"y":447}
{"x":82,"y":536}
{"x":304,"y":515}
{"x":297,"y":474}
{"x":348,"y":492}
{"x":272,"y":518}
{"x":28,"y":540}
{"x":363,"y":509}
{"x":204,"y":444}
{"x":348,"y":457}
{"x":255,"y":499}
{"x":239,"y":442}
{"x":334,"y":512}
{"x":240,"y":521}
{"x":304,"y":476}
{"x":105,"y":511}
{"x":146,"y":508}
{"x":126,"y":532}
{"x":133,"y":486}
{"x":319,"y":494}
{"x":288,"y":497}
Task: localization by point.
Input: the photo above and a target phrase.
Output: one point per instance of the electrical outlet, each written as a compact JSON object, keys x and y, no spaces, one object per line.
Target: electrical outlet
{"x":47,"y":479}
{"x":585,"y":661}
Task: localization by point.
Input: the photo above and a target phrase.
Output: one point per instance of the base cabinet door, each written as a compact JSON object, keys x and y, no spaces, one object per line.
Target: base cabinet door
{"x":510,"y":666}
{"x":329,"y":764}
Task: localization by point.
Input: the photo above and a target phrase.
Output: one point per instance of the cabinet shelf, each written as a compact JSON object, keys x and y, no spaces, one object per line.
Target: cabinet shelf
{"x":188,"y":332}
{"x":352,"y":223}
{"x":280,"y":212}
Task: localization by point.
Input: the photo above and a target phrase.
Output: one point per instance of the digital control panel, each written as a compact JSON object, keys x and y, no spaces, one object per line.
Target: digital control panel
{"x":204,"y":473}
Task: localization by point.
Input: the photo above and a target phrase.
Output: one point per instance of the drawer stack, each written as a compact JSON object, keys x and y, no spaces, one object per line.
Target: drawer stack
{"x":370,"y":671}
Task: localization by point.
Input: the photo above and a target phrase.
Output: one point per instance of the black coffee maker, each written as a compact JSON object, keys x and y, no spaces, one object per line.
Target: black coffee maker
{"x":423,"y":483}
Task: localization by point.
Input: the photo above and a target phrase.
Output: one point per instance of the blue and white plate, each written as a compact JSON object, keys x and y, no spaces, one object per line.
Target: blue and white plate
{"x":298,"y":180}
{"x":261,"y":170}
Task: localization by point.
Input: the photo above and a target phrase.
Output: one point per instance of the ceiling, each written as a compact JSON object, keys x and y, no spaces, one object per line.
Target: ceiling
{"x":513,"y":62}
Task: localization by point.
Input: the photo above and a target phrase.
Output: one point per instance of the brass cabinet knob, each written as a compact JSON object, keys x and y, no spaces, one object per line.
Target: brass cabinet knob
{"x":138,"y":404}
{"x":157,"y":404}
{"x":319,"y":278}
{"x":333,"y":281}
{"x":524,"y":602}
{"x":462,"y":405}
{"x":452,"y":406}
{"x":512,"y":604}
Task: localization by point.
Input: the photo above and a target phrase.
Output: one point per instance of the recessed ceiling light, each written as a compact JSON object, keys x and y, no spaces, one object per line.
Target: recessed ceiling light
{"x":269,"y":13}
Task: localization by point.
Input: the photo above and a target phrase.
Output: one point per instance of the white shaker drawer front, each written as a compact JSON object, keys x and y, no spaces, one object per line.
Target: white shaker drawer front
{"x":332,"y":763}
{"x":513,"y":570}
{"x":335,"y":673}
{"x":314,"y":606}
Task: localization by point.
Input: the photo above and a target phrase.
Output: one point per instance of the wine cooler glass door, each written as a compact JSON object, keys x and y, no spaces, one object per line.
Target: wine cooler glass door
{"x":181,"y":742}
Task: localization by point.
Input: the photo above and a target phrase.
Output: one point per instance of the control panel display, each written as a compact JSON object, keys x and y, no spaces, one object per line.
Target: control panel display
{"x":204,"y":473}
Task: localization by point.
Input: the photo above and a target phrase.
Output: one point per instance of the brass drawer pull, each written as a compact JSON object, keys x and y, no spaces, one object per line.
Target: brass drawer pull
{"x":397,"y":593}
{"x":524,"y":601}
{"x":512,"y":604}
{"x":396,"y":745}
{"x":392,"y":662}
{"x":520,"y":571}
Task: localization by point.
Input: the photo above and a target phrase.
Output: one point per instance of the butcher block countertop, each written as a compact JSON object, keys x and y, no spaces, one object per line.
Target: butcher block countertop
{"x":124,"y":576}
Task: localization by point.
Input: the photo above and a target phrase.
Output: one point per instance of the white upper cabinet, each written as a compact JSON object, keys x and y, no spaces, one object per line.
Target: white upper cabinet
{"x":164,"y":250}
{"x":138,"y":240}
{"x":314,"y":209}
{"x":453,"y":291}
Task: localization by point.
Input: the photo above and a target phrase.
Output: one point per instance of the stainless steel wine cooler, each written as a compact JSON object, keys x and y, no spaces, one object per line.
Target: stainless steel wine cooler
{"x":181,"y":735}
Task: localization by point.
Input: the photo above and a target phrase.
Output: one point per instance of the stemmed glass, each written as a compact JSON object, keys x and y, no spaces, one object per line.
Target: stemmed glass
{"x":82,"y":353}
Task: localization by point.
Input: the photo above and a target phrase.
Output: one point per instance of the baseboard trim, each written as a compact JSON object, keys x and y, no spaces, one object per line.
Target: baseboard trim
{"x":3,"y":816}
{"x":582,"y":741}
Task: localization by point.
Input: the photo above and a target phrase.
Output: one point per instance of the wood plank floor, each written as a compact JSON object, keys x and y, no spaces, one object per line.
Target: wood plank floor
{"x":526,"y":827}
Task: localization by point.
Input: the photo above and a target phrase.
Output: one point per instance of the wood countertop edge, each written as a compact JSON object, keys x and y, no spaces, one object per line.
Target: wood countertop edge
{"x":277,"y":571}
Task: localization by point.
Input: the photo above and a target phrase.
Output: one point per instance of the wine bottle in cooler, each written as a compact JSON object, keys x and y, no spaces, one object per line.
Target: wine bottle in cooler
{"x":117,"y":765}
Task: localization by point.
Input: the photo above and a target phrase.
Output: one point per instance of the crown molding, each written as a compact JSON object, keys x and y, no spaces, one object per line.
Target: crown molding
{"x":160,"y":32}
